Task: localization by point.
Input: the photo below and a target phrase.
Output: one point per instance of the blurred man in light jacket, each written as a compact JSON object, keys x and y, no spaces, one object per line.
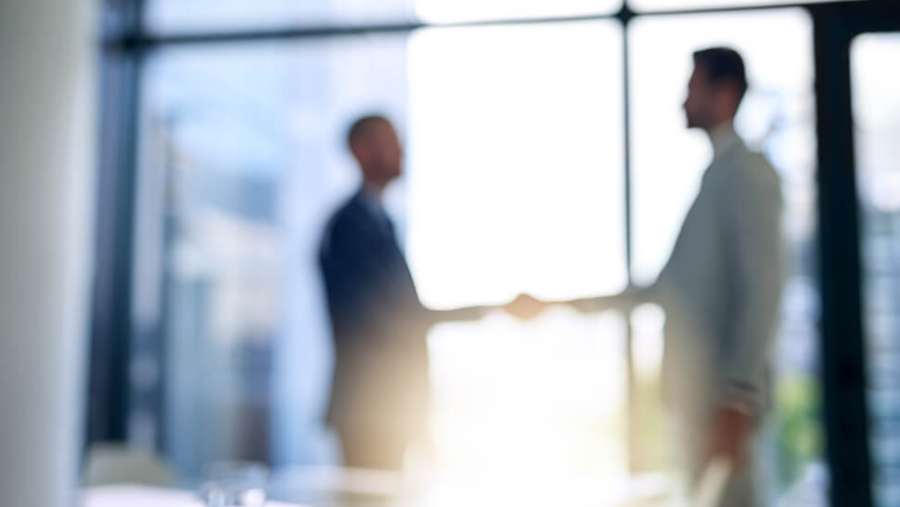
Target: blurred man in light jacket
{"x":720,"y":288}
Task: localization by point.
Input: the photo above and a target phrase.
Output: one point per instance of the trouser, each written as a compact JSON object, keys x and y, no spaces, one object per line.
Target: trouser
{"x":373,"y":449}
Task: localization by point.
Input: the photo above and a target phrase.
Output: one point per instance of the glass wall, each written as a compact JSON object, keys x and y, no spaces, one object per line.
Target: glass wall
{"x":876,"y":108}
{"x":515,"y":182}
{"x":187,"y":16}
{"x":243,"y":160}
{"x":516,"y":185}
{"x":180,"y":16}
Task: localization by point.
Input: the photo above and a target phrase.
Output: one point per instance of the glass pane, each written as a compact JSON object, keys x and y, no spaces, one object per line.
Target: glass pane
{"x":204,"y":15}
{"x":442,"y":11}
{"x":513,"y":183}
{"x":516,"y":181}
{"x":223,"y":15}
{"x":876,"y":107}
{"x":525,"y":122}
{"x":777,"y":118}
{"x":242,"y":161}
{"x":670,"y":5}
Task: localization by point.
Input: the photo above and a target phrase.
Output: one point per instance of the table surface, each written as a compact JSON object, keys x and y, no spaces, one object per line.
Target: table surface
{"x":336,"y":487}
{"x":143,"y":496}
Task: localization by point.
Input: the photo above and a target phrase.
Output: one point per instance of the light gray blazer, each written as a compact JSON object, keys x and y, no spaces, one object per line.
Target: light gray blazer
{"x":722,"y":284}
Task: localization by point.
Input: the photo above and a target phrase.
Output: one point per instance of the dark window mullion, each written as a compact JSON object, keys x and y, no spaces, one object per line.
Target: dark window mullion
{"x":632,"y":416}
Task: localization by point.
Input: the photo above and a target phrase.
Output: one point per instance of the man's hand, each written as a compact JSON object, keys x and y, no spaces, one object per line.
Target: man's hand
{"x":730,"y":435}
{"x":525,"y":307}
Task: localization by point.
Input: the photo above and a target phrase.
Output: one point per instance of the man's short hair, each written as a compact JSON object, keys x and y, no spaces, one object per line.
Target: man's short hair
{"x":723,"y":65}
{"x":361,"y":127}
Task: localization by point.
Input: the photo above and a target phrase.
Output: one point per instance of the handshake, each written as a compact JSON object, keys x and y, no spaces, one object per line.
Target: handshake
{"x":525,"y":307}
{"x":528,"y":307}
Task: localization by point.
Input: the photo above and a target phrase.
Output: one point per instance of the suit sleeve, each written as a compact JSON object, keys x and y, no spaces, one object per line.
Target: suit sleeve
{"x":370,"y":280}
{"x":345,"y":276}
{"x":753,"y":222}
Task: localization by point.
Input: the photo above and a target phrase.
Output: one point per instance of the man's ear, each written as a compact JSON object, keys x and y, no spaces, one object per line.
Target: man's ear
{"x":358,"y":150}
{"x":731,"y":94}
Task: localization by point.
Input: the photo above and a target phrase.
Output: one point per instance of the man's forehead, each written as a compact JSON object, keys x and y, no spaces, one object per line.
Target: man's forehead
{"x":699,"y":74}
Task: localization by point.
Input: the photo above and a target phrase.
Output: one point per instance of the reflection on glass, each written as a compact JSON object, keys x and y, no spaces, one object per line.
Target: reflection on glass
{"x":515,"y":184}
{"x":656,"y":5}
{"x":876,"y":106}
{"x":668,"y":162}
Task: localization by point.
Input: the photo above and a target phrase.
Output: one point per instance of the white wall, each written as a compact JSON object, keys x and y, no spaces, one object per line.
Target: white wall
{"x":46,"y":143}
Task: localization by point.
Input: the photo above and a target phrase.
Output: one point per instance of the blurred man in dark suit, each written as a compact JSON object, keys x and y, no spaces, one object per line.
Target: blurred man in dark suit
{"x":380,"y":388}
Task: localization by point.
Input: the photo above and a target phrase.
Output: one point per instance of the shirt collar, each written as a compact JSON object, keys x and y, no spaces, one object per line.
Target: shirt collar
{"x":723,"y":138}
{"x":370,"y":197}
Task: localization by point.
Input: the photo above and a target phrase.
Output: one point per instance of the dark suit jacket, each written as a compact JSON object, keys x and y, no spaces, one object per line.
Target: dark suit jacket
{"x":380,"y":380}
